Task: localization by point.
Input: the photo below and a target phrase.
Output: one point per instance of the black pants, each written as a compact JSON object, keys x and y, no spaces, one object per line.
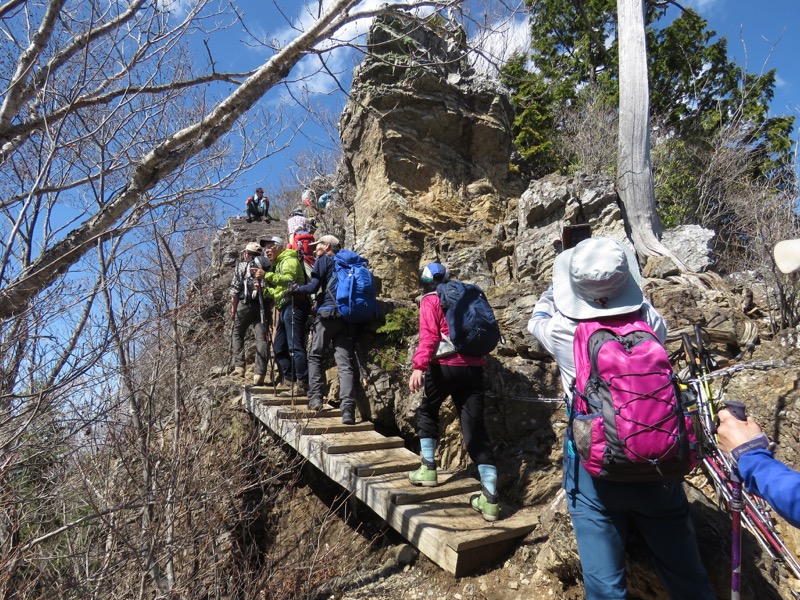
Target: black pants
{"x":465,"y":385}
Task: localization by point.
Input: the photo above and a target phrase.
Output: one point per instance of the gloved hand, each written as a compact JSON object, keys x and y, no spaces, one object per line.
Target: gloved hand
{"x":292,"y":287}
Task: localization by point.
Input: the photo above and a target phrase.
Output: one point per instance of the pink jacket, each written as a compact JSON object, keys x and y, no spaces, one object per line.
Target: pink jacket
{"x":432,"y":324}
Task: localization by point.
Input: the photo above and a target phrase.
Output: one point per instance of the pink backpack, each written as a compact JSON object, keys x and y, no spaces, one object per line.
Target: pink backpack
{"x":626,"y":418}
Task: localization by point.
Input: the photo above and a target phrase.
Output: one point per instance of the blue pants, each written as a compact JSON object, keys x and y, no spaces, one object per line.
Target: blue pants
{"x":290,"y":341}
{"x":601,"y":512}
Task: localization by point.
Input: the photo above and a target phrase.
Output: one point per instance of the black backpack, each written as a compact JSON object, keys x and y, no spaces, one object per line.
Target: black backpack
{"x":473,"y":328}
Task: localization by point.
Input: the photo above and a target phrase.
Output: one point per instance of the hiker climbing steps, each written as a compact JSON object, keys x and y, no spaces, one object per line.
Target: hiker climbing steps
{"x":374,"y":468}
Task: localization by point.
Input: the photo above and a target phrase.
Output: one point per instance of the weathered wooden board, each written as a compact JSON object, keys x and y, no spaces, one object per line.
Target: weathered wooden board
{"x":361,"y":441}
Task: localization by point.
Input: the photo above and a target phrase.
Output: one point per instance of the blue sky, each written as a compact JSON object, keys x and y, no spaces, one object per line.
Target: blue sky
{"x":762,"y":35}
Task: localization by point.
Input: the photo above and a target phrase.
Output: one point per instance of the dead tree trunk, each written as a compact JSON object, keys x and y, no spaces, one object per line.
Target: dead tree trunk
{"x":635,"y":174}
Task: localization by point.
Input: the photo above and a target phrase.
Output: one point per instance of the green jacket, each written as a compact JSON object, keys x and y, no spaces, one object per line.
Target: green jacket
{"x":287,"y":268}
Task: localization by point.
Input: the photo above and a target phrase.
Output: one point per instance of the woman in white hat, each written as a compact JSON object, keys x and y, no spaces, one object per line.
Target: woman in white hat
{"x":596,"y":279}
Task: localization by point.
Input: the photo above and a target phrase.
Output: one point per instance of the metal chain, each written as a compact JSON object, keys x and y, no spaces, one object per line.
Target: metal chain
{"x":755,"y":366}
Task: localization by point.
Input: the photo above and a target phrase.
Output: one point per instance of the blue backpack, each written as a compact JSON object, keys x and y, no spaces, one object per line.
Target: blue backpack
{"x":355,"y":290}
{"x":473,"y":328}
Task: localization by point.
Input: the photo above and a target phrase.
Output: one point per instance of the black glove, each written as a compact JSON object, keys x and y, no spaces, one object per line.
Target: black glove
{"x":292,"y":287}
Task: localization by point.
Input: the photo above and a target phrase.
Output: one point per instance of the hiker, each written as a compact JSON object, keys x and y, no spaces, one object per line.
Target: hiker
{"x":459,"y":376}
{"x":293,"y":310}
{"x":329,"y":328}
{"x":257,"y":206}
{"x":249,"y":307}
{"x":761,"y":472}
{"x":597,"y":279}
{"x":295,"y":223}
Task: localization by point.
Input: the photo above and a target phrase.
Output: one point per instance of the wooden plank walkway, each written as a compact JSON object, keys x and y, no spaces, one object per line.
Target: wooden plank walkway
{"x":437,"y":520}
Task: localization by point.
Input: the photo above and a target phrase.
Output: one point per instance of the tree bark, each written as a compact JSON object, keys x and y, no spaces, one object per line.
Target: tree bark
{"x":635,"y":174}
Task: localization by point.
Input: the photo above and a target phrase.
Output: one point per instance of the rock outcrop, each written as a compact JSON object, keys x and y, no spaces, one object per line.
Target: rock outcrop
{"x":426,"y":155}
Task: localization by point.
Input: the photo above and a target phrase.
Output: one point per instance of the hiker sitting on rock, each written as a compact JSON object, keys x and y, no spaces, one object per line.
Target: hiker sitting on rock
{"x":249,"y":307}
{"x":293,"y":310}
{"x":257,"y":207}
{"x":597,"y":279}
{"x":460,"y":376}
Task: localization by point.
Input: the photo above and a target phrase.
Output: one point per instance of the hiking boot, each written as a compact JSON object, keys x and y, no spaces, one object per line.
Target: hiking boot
{"x":258,"y":379}
{"x":238,"y":372}
{"x":315,"y":404}
{"x":426,"y":475}
{"x":348,"y":415}
{"x":486,"y":504}
{"x":301,"y":388}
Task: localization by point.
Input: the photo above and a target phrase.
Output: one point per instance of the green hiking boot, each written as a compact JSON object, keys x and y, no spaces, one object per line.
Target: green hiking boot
{"x":486,"y":504}
{"x":425,"y":475}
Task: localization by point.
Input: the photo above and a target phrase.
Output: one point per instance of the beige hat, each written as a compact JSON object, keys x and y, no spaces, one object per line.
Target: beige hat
{"x":787,"y":255}
{"x":253,"y":248}
{"x":597,"y":278}
{"x":328,"y":239}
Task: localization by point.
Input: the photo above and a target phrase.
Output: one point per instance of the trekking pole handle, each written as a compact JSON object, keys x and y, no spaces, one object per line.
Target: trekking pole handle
{"x":737,"y":409}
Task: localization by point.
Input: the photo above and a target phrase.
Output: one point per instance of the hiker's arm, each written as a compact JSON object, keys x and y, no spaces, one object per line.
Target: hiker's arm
{"x":540,"y":323}
{"x":317,"y":277}
{"x":779,"y":485}
{"x":429,"y":335}
{"x":236,"y":288}
{"x":761,"y":472}
{"x":279,"y":279}
{"x":653,"y":318}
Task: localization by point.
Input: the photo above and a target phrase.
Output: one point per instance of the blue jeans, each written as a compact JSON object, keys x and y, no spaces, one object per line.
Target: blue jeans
{"x":601,"y":512}
{"x":290,"y":341}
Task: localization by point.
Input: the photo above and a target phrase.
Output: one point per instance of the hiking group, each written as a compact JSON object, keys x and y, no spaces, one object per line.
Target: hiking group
{"x":628,"y":443}
{"x":276,"y":281}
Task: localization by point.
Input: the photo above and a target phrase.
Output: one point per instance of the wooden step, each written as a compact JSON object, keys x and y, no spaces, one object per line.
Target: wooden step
{"x":359,"y":441}
{"x":321,"y":425}
{"x":302,"y":412}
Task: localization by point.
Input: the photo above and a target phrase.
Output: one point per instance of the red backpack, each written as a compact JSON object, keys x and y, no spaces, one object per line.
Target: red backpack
{"x":626,"y":418}
{"x":302,"y":243}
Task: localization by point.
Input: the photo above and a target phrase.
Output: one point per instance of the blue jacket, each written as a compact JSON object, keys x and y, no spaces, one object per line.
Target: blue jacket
{"x":768,"y":477}
{"x":322,"y":283}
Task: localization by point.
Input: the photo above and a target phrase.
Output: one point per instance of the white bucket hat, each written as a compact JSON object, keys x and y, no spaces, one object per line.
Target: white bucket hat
{"x":597,"y":278}
{"x":787,"y":255}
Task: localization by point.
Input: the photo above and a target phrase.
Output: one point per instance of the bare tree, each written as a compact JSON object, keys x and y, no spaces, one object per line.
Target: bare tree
{"x":21,"y":119}
{"x":635,"y":174}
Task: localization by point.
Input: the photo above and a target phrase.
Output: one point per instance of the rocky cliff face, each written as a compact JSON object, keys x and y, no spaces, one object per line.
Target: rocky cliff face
{"x":426,"y":155}
{"x":426,"y":165}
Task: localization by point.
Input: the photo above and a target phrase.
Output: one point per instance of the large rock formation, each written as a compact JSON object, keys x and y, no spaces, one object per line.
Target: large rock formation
{"x":426,"y":144}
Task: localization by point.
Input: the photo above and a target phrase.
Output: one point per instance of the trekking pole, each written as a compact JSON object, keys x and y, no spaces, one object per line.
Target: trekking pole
{"x":230,"y":345}
{"x":290,"y":340}
{"x":736,"y":505}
